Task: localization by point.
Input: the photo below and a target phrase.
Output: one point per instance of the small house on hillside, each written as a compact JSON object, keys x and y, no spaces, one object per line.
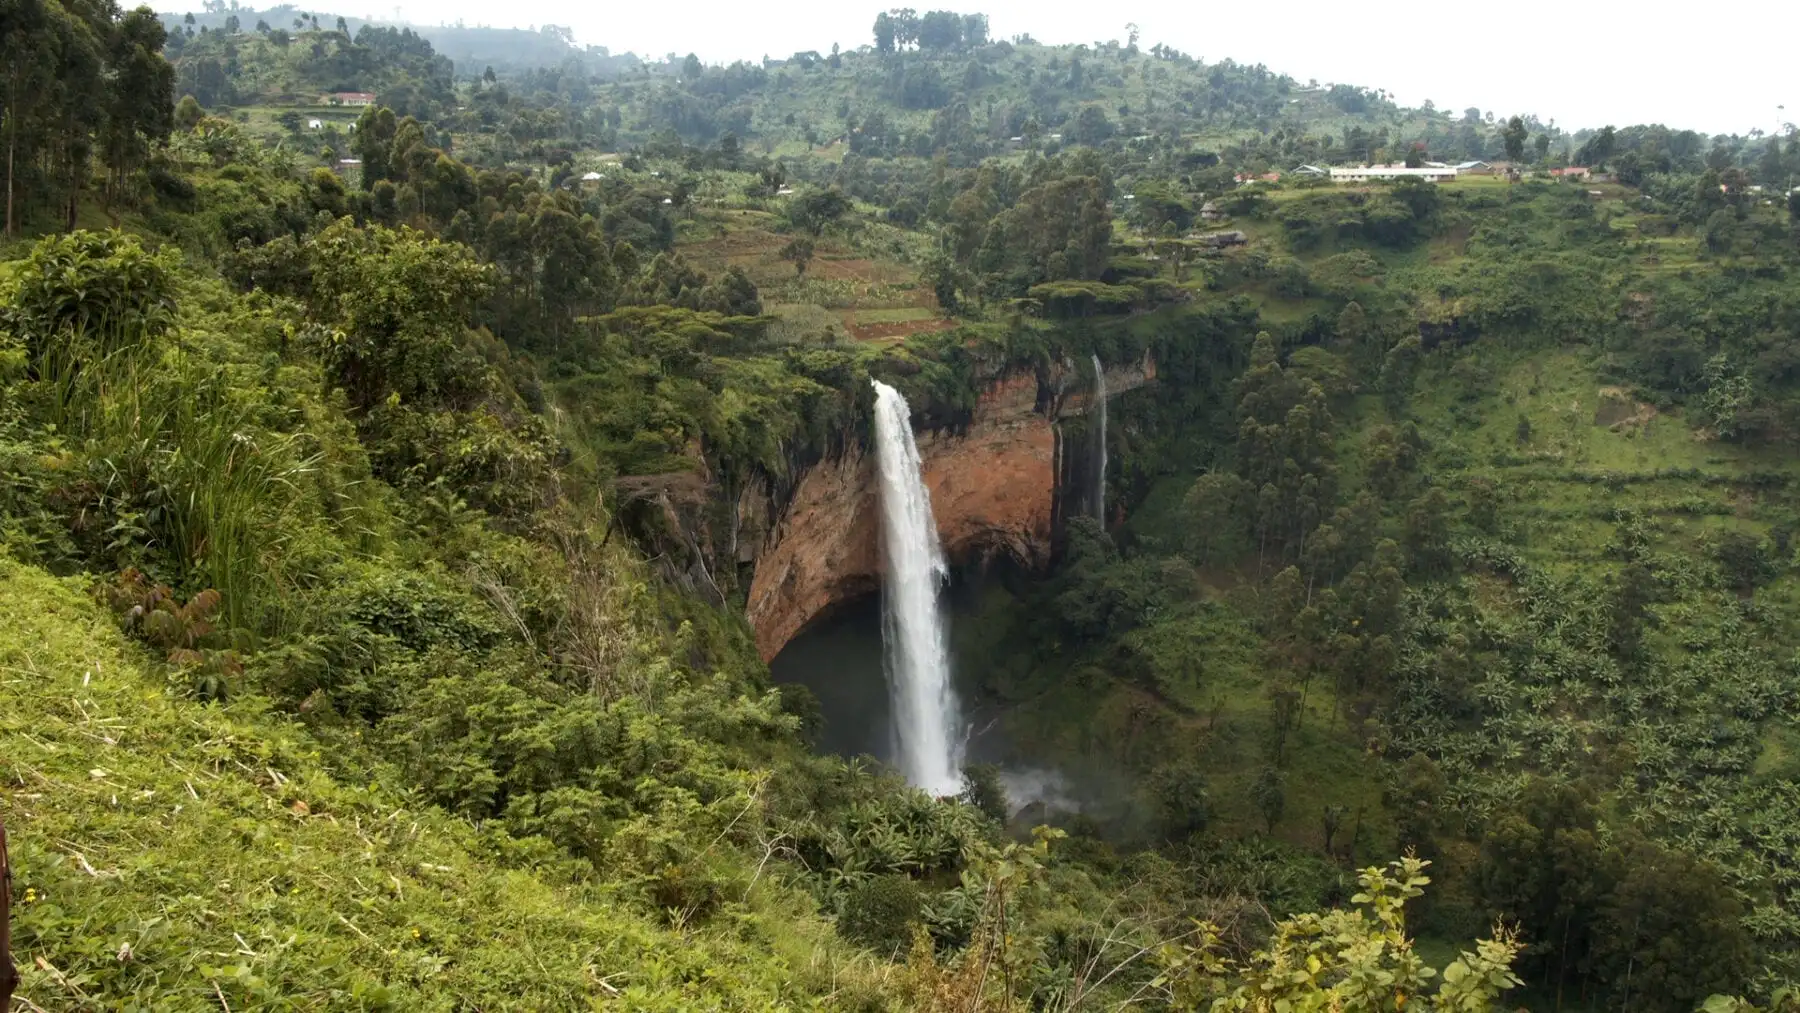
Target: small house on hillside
{"x":1220,"y":240}
{"x":348,"y":98}
{"x":1475,"y":168}
{"x":1310,"y":170}
{"x":1366,"y":173}
{"x":1211,"y":212}
{"x":1572,"y":172}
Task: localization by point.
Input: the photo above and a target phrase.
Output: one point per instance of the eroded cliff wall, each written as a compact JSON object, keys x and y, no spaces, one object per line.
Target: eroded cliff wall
{"x":992,"y":489}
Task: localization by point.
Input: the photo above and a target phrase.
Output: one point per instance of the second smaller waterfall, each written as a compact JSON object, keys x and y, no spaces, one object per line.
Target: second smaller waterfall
{"x":1100,"y":472}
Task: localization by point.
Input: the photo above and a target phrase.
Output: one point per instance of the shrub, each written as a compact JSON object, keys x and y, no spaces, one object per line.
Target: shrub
{"x":880,"y":913}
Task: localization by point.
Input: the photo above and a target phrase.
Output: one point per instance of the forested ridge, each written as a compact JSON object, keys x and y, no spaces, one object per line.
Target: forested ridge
{"x":372,"y":612}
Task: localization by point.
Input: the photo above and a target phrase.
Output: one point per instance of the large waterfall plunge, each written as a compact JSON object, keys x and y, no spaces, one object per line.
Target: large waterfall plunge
{"x":916,"y":655}
{"x":1100,"y":475}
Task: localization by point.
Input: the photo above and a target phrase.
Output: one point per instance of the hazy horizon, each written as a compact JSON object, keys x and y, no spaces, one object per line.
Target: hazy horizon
{"x":1579,"y":66}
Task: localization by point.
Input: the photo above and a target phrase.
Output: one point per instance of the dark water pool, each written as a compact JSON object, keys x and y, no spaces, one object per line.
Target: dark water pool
{"x":839,"y":659}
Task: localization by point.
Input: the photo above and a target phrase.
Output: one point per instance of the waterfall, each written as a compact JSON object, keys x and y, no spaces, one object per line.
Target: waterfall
{"x":1100,"y":475}
{"x":916,"y":656}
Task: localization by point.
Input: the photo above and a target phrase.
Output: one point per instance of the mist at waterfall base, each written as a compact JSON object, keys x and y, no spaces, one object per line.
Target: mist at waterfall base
{"x":840,"y":660}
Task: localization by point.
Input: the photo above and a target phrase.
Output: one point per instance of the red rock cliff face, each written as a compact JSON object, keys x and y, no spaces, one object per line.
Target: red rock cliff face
{"x":992,"y":489}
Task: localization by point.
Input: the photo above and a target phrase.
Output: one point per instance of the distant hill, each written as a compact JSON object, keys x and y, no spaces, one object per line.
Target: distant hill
{"x":954,"y":91}
{"x":472,"y":49}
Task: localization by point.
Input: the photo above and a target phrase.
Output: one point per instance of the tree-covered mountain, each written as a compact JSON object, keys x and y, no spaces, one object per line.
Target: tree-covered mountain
{"x":377,"y":499}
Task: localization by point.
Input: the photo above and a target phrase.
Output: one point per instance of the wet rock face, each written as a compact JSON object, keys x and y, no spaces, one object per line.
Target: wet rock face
{"x":992,"y":488}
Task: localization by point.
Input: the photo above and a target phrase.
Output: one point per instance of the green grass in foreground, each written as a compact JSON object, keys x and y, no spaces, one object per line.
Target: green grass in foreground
{"x":176,"y":856}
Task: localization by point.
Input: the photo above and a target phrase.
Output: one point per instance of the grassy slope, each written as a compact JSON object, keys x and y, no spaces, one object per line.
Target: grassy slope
{"x":866,"y":287}
{"x":190,"y":855}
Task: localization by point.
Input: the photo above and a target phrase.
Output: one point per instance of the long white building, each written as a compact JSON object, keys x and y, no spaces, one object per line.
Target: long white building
{"x":1366,"y":173}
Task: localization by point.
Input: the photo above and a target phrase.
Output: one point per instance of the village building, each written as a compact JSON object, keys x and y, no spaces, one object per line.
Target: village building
{"x":348,"y":98}
{"x":1370,"y":173}
{"x":1221,"y":240}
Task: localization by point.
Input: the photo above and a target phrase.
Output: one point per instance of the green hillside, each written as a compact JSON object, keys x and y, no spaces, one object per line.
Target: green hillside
{"x":174,"y":855}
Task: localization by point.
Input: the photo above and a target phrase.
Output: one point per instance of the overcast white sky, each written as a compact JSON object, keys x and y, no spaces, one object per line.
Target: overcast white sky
{"x":1720,"y":67}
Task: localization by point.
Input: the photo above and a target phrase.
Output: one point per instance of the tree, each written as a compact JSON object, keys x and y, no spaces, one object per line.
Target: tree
{"x":1269,"y":792}
{"x":1541,"y":145}
{"x":1428,"y":533}
{"x":24,"y":27}
{"x":188,"y":113}
{"x":374,"y":143}
{"x":398,"y":304}
{"x":1179,"y":791}
{"x":142,"y":93}
{"x":884,"y":33}
{"x":816,"y":209}
{"x":944,"y":278}
{"x":1285,"y":453}
{"x":1092,"y":126}
{"x":1058,"y":230}
{"x":974,"y":31}
{"x":906,"y":27}
{"x":940,"y":31}
{"x":343,"y":26}
{"x":1669,"y":931}
{"x":1601,"y":147}
{"x":1514,"y":137}
{"x":691,"y":69}
{"x":1214,"y":509}
{"x":983,"y":790}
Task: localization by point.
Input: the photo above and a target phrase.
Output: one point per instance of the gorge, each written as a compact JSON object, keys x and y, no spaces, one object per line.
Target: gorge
{"x":994,"y":486}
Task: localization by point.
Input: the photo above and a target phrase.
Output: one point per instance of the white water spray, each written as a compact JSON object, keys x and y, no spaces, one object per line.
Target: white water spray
{"x":916,"y":655}
{"x":1100,"y":480}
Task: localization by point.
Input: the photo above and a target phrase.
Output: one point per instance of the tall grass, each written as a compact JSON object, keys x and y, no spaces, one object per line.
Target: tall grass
{"x":187,"y":468}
